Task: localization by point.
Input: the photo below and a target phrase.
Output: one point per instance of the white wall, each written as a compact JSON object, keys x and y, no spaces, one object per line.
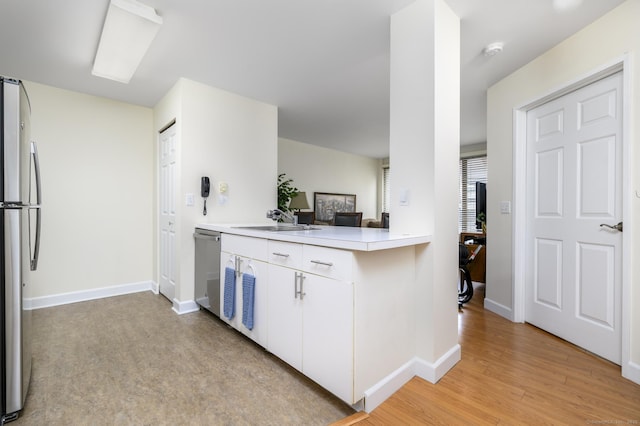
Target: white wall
{"x":231,"y":139}
{"x":316,"y":169}
{"x":97,"y":209}
{"x":603,"y":42}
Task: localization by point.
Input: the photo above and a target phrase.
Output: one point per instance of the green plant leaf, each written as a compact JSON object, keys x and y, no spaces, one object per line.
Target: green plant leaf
{"x":286,"y":191}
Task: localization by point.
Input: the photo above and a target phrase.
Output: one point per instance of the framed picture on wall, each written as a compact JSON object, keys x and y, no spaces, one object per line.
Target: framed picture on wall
{"x":326,"y":204}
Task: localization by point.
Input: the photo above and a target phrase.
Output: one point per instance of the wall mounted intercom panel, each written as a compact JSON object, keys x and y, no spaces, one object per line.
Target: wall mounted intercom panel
{"x":205,"y":188}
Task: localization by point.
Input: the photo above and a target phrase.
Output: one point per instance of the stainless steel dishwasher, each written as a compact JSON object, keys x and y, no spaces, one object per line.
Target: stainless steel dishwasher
{"x":207,"y":269}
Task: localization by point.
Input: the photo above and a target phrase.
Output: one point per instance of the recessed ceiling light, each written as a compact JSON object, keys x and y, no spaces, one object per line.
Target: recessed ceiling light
{"x":493,"y":48}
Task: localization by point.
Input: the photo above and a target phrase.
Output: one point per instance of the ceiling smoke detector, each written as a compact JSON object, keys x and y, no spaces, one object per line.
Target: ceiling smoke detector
{"x":493,"y":49}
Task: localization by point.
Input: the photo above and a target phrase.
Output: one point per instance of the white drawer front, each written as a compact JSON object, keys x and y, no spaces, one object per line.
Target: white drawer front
{"x":285,"y":254}
{"x":255,"y":248}
{"x":328,"y":262}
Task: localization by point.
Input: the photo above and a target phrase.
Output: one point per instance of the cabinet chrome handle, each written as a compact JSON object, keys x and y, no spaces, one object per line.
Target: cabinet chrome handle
{"x":295,"y":285}
{"x":238,"y":266}
{"x":299,"y":280}
{"x":319,"y":262}
{"x":302,"y":293}
{"x":280,"y":254}
{"x":617,"y":227}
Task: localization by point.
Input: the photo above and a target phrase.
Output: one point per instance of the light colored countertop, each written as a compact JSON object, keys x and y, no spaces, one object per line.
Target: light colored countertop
{"x":342,"y":237}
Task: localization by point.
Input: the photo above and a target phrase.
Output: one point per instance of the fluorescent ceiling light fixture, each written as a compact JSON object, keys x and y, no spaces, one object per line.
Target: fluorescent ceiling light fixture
{"x":128,"y":31}
{"x":563,"y":5}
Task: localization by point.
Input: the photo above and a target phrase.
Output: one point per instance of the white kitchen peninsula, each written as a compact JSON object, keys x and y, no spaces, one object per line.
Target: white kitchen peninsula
{"x":353,"y":328}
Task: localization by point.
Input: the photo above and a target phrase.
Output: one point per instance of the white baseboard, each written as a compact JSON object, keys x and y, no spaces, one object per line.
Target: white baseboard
{"x":631,"y":371}
{"x":99,"y":293}
{"x":499,"y":309}
{"x":431,"y":372}
{"x":84,"y":295}
{"x":187,"y":307}
{"x":382,"y":390}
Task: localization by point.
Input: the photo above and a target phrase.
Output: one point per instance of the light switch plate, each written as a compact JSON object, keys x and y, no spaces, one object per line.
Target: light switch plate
{"x":505,"y":207}
{"x":404,"y":197}
{"x":189,"y":199}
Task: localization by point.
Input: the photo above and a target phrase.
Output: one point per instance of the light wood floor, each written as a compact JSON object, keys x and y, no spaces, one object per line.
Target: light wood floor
{"x":514,"y":374}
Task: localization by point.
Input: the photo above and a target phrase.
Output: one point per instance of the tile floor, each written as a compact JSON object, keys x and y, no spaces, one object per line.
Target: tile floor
{"x":131,"y":360}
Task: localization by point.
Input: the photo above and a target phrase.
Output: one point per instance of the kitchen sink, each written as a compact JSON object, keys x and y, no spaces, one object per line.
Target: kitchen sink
{"x":278,"y":228}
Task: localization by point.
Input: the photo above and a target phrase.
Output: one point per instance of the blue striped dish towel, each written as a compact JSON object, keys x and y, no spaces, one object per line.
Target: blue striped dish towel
{"x":229,"y":307}
{"x":248,"y":292}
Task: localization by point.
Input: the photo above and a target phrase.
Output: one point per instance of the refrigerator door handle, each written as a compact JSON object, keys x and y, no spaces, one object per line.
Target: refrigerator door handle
{"x":36,"y":248}
{"x":36,"y":165}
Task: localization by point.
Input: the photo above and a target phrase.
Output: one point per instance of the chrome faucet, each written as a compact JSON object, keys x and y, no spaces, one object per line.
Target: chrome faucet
{"x":277,"y":214}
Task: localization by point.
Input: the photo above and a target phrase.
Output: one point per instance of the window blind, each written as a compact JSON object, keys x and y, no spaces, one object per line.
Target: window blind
{"x":386,"y":190}
{"x":471,"y":170}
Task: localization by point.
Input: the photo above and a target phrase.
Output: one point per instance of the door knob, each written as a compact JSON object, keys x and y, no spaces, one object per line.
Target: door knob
{"x":617,"y":227}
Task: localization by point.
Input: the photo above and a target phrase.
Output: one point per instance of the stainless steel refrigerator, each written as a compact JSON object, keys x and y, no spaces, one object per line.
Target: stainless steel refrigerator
{"x":20,"y":237}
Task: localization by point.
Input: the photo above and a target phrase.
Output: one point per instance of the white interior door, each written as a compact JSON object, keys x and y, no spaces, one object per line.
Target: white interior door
{"x":167,"y":194}
{"x":574,"y":184}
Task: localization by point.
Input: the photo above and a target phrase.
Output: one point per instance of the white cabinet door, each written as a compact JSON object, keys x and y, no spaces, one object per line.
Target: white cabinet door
{"x":285,"y":254}
{"x":312,"y":332}
{"x":227,"y":260}
{"x":327,"y":335}
{"x":260,"y":271}
{"x":253,"y":248}
{"x":328,"y":262}
{"x":285,"y":316}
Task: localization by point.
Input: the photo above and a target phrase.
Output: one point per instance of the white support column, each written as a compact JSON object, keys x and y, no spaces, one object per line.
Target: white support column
{"x":424,"y":153}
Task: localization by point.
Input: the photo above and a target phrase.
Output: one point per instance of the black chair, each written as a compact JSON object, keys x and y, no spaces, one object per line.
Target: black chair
{"x":305,"y":218}
{"x":347,"y":219}
{"x":385,"y":220}
{"x":465,"y":284}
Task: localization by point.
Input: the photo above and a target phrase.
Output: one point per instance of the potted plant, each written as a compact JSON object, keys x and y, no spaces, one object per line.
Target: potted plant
{"x":483,"y":220}
{"x":286,"y":191}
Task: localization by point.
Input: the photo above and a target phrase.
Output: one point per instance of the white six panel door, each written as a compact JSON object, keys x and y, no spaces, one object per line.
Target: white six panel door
{"x":574,"y":184}
{"x":167,"y":261}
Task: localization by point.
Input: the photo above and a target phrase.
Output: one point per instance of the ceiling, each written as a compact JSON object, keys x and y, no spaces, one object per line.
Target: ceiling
{"x":325,"y":64}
